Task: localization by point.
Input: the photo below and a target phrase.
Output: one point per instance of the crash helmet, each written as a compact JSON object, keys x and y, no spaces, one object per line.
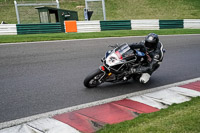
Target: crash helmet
{"x":151,"y":40}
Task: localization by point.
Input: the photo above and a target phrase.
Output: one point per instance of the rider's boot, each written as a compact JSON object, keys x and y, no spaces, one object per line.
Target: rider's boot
{"x":144,"y":78}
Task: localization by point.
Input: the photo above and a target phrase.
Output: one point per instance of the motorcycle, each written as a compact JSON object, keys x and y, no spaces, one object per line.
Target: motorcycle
{"x":116,"y":66}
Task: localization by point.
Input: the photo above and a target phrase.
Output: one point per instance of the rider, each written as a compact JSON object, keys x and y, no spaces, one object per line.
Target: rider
{"x":154,"y":56}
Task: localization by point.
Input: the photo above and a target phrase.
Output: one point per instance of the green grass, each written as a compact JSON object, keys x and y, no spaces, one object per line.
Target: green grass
{"x":181,"y":118}
{"x":117,"y":9}
{"x":153,"y":9}
{"x":69,"y":36}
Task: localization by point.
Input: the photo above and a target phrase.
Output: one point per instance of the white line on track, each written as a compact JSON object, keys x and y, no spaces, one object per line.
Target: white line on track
{"x":70,"y":109}
{"x":2,"y":44}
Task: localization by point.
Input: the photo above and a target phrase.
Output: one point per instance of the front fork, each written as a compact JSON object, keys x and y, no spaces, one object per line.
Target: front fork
{"x":106,"y":74}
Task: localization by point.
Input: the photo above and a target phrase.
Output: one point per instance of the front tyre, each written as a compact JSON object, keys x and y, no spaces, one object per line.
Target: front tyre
{"x":92,"y":80}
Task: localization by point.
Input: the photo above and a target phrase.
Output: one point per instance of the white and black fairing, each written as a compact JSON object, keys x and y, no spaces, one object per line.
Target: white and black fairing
{"x":119,"y":60}
{"x":116,"y":66}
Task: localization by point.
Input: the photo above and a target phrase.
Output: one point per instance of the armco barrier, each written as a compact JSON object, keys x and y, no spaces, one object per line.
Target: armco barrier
{"x":116,"y":25}
{"x":38,"y":28}
{"x":170,"y":24}
{"x":191,"y":23}
{"x":145,"y":24}
{"x":97,"y":26}
{"x":8,"y":29}
{"x":88,"y":26}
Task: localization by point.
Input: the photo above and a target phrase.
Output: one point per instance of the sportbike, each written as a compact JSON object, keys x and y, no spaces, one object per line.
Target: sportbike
{"x":116,"y":66}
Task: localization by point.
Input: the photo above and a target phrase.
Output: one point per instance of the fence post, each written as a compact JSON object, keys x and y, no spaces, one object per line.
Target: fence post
{"x":104,"y":10}
{"x":17,"y":13}
{"x":58,"y":6}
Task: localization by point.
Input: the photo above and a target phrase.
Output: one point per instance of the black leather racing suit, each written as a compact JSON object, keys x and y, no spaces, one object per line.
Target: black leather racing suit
{"x":154,"y":57}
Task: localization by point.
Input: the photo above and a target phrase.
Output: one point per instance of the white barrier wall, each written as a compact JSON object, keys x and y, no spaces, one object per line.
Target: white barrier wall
{"x":88,"y":26}
{"x":8,"y":29}
{"x":145,"y":24}
{"x":191,"y":23}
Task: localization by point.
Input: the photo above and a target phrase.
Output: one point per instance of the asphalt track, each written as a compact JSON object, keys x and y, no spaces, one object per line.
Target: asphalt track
{"x":46,"y":76}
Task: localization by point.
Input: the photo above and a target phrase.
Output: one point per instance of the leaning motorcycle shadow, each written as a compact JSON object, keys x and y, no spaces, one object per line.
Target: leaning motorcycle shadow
{"x":127,"y":85}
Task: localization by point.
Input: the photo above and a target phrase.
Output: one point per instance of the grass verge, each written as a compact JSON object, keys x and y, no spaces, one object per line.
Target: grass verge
{"x":70,"y":36}
{"x":178,"y":118}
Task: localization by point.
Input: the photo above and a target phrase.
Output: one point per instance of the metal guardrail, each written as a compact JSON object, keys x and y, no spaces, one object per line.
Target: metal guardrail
{"x":88,"y":26}
{"x":38,"y":28}
{"x":170,"y":24}
{"x":191,"y":23}
{"x":116,"y":25}
{"x":8,"y":29}
{"x":97,"y":26}
{"x":145,"y":24}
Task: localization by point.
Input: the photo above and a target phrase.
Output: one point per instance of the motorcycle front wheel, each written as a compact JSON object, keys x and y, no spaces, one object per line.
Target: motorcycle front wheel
{"x":92,"y":80}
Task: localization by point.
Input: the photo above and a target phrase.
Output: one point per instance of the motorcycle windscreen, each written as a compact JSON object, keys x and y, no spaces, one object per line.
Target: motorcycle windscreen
{"x":117,"y":56}
{"x":124,"y":51}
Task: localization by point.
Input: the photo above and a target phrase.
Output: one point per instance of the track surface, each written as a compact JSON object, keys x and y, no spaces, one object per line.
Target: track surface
{"x":46,"y":76}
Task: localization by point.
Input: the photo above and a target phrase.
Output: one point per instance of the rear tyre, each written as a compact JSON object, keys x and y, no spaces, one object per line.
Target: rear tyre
{"x":92,"y":80}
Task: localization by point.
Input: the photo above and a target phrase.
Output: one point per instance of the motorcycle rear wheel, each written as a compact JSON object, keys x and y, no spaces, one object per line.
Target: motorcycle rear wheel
{"x":92,"y":80}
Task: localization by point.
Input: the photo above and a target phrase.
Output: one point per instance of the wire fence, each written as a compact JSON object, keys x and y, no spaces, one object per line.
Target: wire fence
{"x":96,"y":7}
{"x":27,"y":12}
